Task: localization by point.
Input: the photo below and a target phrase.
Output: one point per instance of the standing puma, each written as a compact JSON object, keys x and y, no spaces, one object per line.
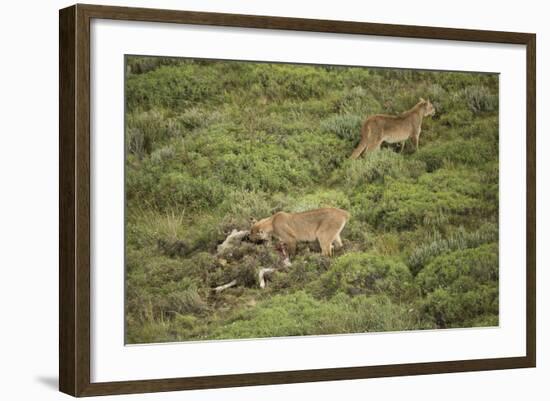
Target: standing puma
{"x":323,"y":225}
{"x":385,"y":128}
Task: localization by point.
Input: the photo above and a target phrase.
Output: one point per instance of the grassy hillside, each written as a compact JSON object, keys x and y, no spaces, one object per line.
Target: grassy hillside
{"x":211,"y":145}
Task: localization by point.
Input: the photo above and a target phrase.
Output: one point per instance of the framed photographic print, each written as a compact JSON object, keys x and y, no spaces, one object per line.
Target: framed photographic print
{"x":250,"y":200}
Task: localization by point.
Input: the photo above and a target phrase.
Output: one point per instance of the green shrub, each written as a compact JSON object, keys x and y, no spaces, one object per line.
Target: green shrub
{"x":161,"y":287}
{"x":462,"y":181}
{"x":388,"y":244}
{"x":405,"y":205}
{"x":357,"y":101}
{"x":240,"y":206}
{"x":281,"y":81}
{"x":485,"y":128}
{"x":358,"y":232}
{"x":320,"y":154}
{"x":300,"y":314}
{"x":184,"y":191}
{"x":305,"y":269}
{"x":456,"y":118}
{"x":377,"y":167}
{"x":188,"y":301}
{"x":325,"y":198}
{"x":457,"y":240}
{"x":175,"y":86}
{"x":194,"y":117}
{"x":148,"y":332}
{"x":145,"y":130}
{"x":479,"y":263}
{"x":480,"y":99}
{"x":141,"y":65}
{"x":461,"y":286}
{"x":136,"y":143}
{"x":363,"y":273}
{"x":269,"y":169}
{"x":344,"y":126}
{"x":472,"y":152}
{"x":355,"y":76}
{"x":162,"y":155}
{"x":145,"y":226}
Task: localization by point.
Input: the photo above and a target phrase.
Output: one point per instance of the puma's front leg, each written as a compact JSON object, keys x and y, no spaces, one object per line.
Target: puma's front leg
{"x":415,"y":139}
{"x":291,"y":244}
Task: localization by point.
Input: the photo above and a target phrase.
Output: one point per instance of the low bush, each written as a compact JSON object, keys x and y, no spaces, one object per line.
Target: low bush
{"x":345,"y":126}
{"x":271,"y":169}
{"x":323,"y":152}
{"x":480,"y":99}
{"x":141,"y":65}
{"x":146,"y":131}
{"x":357,"y":101}
{"x":174,"y":86}
{"x":305,"y":269}
{"x":369,"y":274}
{"x":194,"y":117}
{"x":485,"y":128}
{"x":472,"y":152}
{"x":280,"y":82}
{"x":161,"y":287}
{"x":456,"y":118}
{"x":378,"y":167}
{"x":456,"y":240}
{"x":461,"y":286}
{"x":406,"y":205}
{"x":325,"y":198}
{"x":300,"y":314}
{"x":180,"y":190}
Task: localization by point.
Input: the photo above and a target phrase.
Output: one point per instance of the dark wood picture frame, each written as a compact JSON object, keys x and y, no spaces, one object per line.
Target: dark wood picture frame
{"x":74,"y":200}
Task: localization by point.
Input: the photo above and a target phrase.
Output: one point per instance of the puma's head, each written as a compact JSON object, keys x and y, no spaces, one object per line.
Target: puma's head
{"x":261,"y":230}
{"x":429,"y":109}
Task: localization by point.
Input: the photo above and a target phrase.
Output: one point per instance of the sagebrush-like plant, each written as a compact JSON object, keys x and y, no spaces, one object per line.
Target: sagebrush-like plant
{"x":457,"y":240}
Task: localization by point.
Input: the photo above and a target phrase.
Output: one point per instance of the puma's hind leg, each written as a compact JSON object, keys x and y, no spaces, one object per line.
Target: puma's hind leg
{"x":338,"y":241}
{"x":374,"y":145}
{"x":329,"y":233}
{"x":359,"y":149}
{"x":366,"y":135}
{"x":326,"y":248}
{"x":326,"y":245}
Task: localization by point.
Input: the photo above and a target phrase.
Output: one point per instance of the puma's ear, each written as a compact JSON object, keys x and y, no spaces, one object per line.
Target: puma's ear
{"x":421,"y":99}
{"x":253,"y":220}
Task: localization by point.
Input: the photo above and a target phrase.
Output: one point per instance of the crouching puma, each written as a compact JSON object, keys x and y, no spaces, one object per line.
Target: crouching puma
{"x":385,"y":128}
{"x":323,"y":225}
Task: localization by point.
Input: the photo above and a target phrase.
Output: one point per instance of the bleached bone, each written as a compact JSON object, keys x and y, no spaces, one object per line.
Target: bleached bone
{"x":232,"y":239}
{"x":262,"y":273}
{"x":225,"y":286}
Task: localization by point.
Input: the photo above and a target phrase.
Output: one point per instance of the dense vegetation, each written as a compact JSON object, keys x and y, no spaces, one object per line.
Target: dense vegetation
{"x":211,"y":145}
